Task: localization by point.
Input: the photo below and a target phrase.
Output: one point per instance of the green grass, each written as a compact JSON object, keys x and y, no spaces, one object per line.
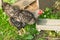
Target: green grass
{"x":50,"y":15}
{"x":6,"y":30}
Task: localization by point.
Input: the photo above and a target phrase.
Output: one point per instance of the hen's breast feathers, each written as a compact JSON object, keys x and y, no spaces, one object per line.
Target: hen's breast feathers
{"x":17,"y":24}
{"x":21,"y":19}
{"x":25,"y":16}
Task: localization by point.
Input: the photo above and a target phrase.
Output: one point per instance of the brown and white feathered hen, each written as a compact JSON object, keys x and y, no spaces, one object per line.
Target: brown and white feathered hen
{"x":18,"y":17}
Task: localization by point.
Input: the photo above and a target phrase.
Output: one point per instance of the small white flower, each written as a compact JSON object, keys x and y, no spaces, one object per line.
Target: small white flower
{"x":44,"y":15}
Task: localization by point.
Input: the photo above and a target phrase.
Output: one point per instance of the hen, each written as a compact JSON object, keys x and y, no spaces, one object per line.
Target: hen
{"x":19,"y":18}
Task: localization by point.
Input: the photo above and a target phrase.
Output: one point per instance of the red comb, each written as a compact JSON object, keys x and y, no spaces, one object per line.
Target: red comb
{"x":40,"y":12}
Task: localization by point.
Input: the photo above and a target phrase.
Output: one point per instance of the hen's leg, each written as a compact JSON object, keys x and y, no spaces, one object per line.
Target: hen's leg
{"x":19,"y":25}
